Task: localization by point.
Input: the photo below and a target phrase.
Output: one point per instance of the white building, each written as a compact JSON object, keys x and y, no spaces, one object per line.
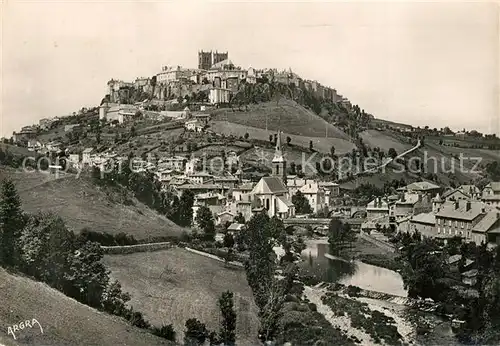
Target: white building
{"x":376,"y":209}
{"x":491,"y":194}
{"x":219,"y":95}
{"x":314,"y":195}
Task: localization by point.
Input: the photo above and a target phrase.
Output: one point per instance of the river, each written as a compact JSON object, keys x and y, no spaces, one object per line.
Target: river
{"x":374,"y":278}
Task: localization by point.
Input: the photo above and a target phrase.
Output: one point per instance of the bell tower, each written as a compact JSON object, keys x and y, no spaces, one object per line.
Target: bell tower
{"x":279,"y":162}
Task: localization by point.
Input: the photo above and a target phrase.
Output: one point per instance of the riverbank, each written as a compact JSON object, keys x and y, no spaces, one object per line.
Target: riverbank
{"x":364,"y":322}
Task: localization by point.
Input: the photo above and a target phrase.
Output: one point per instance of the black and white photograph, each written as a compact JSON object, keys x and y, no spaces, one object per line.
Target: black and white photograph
{"x":269,"y":173}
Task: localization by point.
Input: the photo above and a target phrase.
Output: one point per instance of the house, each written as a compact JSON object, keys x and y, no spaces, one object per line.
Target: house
{"x":334,"y":188}
{"x":314,"y":195}
{"x":377,"y":208}
{"x":487,"y":230}
{"x":411,"y":204}
{"x":112,"y":112}
{"x":194,"y":125}
{"x":202,"y":118}
{"x":86,"y":156}
{"x":173,"y":162}
{"x":491,"y":194}
{"x":176,"y":115}
{"x":455,"y":195}
{"x":243,"y":192}
{"x":423,"y":187}
{"x":457,"y":219}
{"x":424,"y":223}
{"x":293,"y":183}
{"x":470,"y":277}
{"x":471,"y":190}
{"x":224,"y":218}
{"x":200,"y":177}
{"x":226,"y":180}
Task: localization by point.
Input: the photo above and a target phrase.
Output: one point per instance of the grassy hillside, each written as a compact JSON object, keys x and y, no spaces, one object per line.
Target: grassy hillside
{"x":384,"y":140}
{"x":64,"y":320}
{"x":171,"y":286}
{"x":321,"y":144}
{"x":81,"y":204}
{"x":288,"y":116}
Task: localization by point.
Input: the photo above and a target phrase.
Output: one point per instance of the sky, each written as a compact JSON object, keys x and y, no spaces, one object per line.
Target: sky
{"x":425,"y":63}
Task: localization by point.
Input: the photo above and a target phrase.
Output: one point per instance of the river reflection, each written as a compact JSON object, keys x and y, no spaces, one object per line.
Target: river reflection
{"x":348,"y":272}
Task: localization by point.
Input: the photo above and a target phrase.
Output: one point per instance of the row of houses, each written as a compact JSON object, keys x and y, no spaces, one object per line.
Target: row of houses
{"x":465,"y":212}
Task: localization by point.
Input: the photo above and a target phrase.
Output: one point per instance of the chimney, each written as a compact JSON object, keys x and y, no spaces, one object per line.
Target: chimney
{"x":467,"y":206}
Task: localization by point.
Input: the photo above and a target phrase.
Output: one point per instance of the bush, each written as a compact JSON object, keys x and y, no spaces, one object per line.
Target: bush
{"x":353,"y":291}
{"x":166,"y":332}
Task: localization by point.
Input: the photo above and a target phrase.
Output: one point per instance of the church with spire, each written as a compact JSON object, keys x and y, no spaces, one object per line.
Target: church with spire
{"x":271,"y":193}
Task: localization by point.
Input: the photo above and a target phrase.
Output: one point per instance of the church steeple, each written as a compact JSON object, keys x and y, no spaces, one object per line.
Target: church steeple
{"x":278,"y":151}
{"x":279,"y":162}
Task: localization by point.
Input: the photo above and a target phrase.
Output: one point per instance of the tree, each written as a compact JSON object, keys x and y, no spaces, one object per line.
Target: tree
{"x":340,"y":236}
{"x":301,"y":203}
{"x":133,"y":132}
{"x":205,"y":221}
{"x":87,"y":274}
{"x":11,"y":224}
{"x":310,"y":145}
{"x":228,"y":240}
{"x":271,"y":138}
{"x":392,"y":153}
{"x":185,"y":209}
{"x":332,"y":151}
{"x":288,"y":140}
{"x":247,"y":135}
{"x":227,"y":334}
{"x":196,"y":333}
{"x":239,"y":218}
{"x":166,"y":332}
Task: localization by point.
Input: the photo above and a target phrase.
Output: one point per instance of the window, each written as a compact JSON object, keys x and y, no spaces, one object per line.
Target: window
{"x":449,"y":222}
{"x":439,"y":230}
{"x":462,"y":224}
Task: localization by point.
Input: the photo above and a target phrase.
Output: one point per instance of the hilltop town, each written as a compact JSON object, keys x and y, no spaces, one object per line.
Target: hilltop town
{"x":243,"y":172}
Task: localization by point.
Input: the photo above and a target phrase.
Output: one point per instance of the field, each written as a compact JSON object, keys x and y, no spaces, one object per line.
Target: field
{"x":171,"y":286}
{"x":80,"y":203}
{"x":288,"y":116}
{"x":321,"y":144}
{"x":64,"y":320}
{"x":384,"y":141}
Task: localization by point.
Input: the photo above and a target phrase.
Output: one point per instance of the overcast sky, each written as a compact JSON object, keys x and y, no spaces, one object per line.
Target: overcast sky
{"x":430,"y":64}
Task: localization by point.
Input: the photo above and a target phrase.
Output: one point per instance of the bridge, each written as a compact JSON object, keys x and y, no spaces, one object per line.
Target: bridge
{"x":321,"y":223}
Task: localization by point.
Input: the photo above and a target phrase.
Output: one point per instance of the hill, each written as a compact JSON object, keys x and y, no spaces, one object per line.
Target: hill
{"x":171,"y":286}
{"x":297,"y":122}
{"x":80,"y":203}
{"x":288,"y":116}
{"x":64,"y":320}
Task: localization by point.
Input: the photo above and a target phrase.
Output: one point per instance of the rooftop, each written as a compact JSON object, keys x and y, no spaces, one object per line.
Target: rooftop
{"x":461,"y":210}
{"x":269,"y":185}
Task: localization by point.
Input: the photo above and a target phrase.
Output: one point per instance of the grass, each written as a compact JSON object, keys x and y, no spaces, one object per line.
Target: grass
{"x":288,"y":116}
{"x":171,"y":286}
{"x":384,"y":141}
{"x":64,"y":320}
{"x":80,"y":203}
{"x":321,"y":144}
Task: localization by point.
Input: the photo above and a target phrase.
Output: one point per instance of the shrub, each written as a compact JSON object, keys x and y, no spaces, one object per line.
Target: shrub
{"x":166,"y":332}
